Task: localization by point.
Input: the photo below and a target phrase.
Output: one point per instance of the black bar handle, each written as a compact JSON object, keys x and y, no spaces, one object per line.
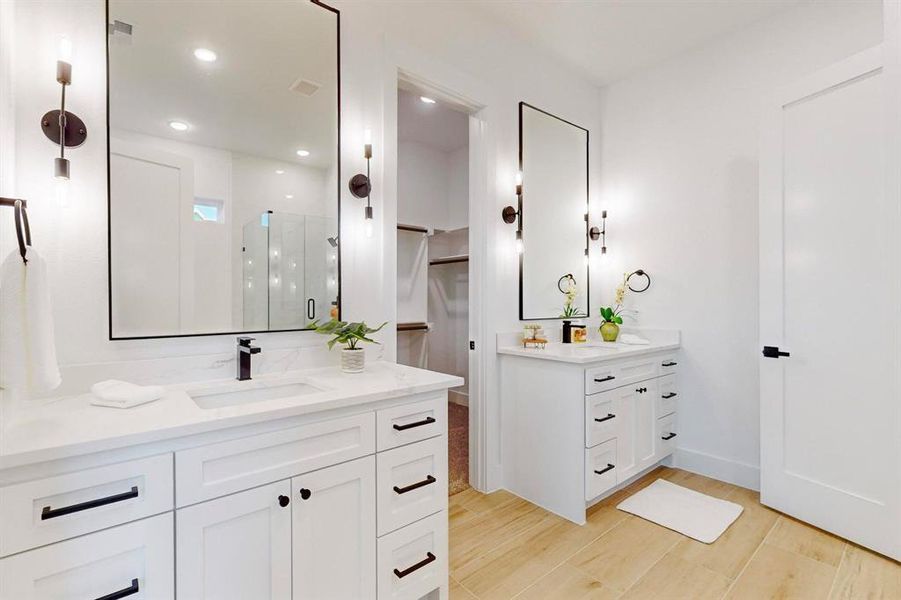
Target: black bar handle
{"x":605,"y":469}
{"x":670,"y":395}
{"x":426,"y":421}
{"x":774,"y":352}
{"x":669,"y":436}
{"x":51,"y":513}
{"x":603,"y":379}
{"x":607,"y":418}
{"x":669,"y":364}
{"x":429,"y":558}
{"x":415,"y":486}
{"x":124,"y":592}
{"x":311,"y":308}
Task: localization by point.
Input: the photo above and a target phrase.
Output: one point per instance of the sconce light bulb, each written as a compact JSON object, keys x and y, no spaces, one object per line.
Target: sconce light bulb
{"x":586,"y":257}
{"x":367,"y":221}
{"x":519,"y":178}
{"x":519,"y":245}
{"x":367,"y":136}
{"x":61,"y":191}
{"x":65,"y":50}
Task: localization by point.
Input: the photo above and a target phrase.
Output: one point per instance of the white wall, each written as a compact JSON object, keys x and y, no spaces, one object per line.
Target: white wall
{"x":679,"y":178}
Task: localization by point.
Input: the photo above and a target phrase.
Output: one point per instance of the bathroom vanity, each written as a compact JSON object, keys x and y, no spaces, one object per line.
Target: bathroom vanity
{"x":582,"y":420}
{"x":306,"y":485}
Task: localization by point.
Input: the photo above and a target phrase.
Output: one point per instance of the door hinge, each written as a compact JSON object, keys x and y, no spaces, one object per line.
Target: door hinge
{"x":472,"y":345}
{"x":773,"y":352}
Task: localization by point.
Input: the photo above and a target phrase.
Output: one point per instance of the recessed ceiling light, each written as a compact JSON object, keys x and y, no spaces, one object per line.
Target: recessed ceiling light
{"x":303,"y":153}
{"x":205,"y":55}
{"x":178,"y":125}
{"x":427,"y":100}
{"x":279,"y":171}
{"x":289,"y":196}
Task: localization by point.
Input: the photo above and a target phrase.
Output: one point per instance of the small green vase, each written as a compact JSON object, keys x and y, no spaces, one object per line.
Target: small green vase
{"x":609,"y":331}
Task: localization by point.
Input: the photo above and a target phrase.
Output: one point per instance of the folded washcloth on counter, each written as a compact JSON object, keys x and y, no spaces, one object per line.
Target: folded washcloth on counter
{"x":121,"y":394}
{"x":632,"y":340}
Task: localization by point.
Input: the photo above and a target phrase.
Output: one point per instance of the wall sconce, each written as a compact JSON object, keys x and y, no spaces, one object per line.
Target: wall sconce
{"x":60,"y":126}
{"x":361,"y":185}
{"x":511,"y":215}
{"x":595,"y":233}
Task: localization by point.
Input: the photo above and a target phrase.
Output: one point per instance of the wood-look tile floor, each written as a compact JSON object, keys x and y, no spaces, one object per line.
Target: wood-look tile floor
{"x":503,"y":547}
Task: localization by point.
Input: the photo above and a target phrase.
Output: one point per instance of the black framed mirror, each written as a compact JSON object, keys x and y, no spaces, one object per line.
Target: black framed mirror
{"x":223,"y":166}
{"x":553,"y":161}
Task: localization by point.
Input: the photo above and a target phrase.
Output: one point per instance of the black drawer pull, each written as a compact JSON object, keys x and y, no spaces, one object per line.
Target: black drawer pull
{"x":605,"y":469}
{"x":426,"y":421}
{"x":607,"y":418}
{"x":415,"y":486}
{"x":669,"y":436}
{"x":305,"y":493}
{"x":130,"y":590}
{"x":429,"y":557}
{"x":669,"y":364}
{"x":50,"y":513}
{"x":668,"y":396}
{"x":284,"y":501}
{"x":603,"y":379}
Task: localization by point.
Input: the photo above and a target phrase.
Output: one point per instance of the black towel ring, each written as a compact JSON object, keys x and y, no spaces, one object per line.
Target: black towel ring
{"x":640,"y":273}
{"x":560,"y":281}
{"x":23,"y":230}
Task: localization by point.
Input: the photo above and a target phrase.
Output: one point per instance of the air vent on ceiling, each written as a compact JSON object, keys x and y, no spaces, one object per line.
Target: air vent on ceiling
{"x":304,"y":87}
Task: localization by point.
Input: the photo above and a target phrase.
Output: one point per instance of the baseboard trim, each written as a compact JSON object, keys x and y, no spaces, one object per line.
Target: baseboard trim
{"x":461,"y":398}
{"x":717,"y":467}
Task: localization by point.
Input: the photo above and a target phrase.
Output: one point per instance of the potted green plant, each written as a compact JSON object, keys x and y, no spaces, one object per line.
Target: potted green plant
{"x":353,"y":356}
{"x":612,"y":315}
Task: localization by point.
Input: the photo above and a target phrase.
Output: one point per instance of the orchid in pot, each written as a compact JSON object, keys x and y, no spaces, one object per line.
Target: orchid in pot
{"x":353,"y":356}
{"x":612,"y":315}
{"x":570,"y":310}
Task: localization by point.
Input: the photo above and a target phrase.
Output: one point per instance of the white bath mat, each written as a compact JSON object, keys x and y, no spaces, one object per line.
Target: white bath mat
{"x":691,"y":513}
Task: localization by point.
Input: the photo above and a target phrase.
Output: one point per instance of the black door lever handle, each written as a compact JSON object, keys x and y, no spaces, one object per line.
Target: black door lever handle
{"x":774,"y":352}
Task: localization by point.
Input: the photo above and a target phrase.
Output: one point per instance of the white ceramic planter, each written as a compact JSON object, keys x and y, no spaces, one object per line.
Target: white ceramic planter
{"x":353,"y":361}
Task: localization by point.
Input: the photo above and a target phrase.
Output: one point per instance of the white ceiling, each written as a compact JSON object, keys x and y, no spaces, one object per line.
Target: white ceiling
{"x":241,"y":102}
{"x":435,"y":125}
{"x":608,"y":39}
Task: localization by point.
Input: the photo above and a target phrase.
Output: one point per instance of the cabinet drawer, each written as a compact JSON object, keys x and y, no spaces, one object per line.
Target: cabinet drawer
{"x":666,"y":399}
{"x":608,"y":377}
{"x":218,"y":469}
{"x":666,"y":435}
{"x":43,"y":511}
{"x":412,"y":483}
{"x":600,"y":418}
{"x":410,"y":423}
{"x":412,"y":562}
{"x":133,"y":560}
{"x":600,"y":469}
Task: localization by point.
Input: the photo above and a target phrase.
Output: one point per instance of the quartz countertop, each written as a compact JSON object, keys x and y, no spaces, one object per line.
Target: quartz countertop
{"x":70,"y":426}
{"x":590,"y":352}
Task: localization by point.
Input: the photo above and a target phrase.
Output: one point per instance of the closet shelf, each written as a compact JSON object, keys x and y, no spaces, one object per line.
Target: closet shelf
{"x":445,"y":260}
{"x":413,"y":326}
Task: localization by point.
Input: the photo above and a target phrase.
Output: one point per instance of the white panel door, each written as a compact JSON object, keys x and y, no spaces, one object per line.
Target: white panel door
{"x":333,"y":512}
{"x":133,"y":561}
{"x":236,"y":547}
{"x":829,"y":272}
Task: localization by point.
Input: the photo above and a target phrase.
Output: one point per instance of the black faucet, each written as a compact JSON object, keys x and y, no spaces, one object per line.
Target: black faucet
{"x":244,"y":352}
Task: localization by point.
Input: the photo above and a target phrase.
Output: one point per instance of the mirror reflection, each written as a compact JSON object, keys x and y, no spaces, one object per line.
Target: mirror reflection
{"x":223,"y":166}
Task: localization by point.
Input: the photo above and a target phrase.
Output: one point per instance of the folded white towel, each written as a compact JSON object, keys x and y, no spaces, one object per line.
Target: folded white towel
{"x":27,"y":346}
{"x":121,"y":394}
{"x":633,"y":340}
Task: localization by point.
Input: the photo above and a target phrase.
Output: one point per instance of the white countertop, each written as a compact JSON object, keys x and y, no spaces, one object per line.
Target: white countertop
{"x":589,"y":352}
{"x":71,"y":426}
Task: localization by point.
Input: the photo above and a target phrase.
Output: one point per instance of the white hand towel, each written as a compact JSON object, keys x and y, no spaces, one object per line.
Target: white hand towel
{"x":27,"y":346}
{"x":121,"y":394}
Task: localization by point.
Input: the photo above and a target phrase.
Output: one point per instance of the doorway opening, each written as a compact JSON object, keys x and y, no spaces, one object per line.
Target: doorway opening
{"x":433,"y":252}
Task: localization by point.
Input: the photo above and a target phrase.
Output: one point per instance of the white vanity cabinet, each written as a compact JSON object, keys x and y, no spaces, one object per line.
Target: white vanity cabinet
{"x":576,"y":427}
{"x":349,"y":503}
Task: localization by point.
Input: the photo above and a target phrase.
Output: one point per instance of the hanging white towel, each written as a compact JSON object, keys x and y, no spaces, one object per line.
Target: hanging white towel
{"x":121,"y":394}
{"x":27,"y":346}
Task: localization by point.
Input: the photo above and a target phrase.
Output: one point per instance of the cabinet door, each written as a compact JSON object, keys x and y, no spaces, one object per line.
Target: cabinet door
{"x":236,"y":547}
{"x":333,"y":512}
{"x":636,"y":427}
{"x":646,"y":424}
{"x":133,"y":560}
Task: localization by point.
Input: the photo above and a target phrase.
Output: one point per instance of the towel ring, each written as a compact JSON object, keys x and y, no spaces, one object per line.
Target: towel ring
{"x":640,"y":273}
{"x":560,"y":281}
{"x":23,"y":230}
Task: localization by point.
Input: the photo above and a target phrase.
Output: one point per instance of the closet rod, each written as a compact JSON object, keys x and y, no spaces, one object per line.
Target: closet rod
{"x":413,"y":228}
{"x":412,"y":326}
{"x":446,"y":260}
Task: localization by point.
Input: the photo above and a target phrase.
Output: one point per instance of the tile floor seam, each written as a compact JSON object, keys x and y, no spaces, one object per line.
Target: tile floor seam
{"x":468,"y":591}
{"x":493,"y":548}
{"x":587,"y":574}
{"x":751,"y":558}
{"x":838,"y":568}
{"x":648,"y":570}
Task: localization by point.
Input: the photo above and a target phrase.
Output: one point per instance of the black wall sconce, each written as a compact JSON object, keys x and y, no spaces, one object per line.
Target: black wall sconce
{"x":60,"y":126}
{"x":514,"y":215}
{"x":361,"y":185}
{"x":596,"y":233}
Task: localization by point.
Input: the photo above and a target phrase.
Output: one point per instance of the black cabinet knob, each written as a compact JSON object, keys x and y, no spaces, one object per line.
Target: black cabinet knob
{"x":283,"y":501}
{"x":305,"y":493}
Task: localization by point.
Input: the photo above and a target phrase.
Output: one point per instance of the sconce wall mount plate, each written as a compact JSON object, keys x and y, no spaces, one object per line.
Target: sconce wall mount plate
{"x":76,"y":130}
{"x":509,"y":214}
{"x":594,"y":233}
{"x":360,"y":186}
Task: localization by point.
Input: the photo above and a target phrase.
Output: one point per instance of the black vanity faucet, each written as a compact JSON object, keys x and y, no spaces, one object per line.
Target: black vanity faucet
{"x":244,"y":352}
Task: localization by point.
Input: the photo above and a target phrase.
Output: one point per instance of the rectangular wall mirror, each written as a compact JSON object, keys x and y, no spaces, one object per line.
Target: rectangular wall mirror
{"x":553,"y":160}
{"x":223,"y":166}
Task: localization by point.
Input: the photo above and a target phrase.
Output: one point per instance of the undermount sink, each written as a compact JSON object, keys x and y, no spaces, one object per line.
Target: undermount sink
{"x":237,"y":394}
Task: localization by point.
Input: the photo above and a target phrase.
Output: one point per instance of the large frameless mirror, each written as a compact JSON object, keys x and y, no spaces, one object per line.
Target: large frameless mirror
{"x":223,"y":166}
{"x":553,"y":159}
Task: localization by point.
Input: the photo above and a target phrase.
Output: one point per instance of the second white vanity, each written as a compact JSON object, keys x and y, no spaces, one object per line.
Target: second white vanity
{"x":332,"y":486}
{"x":581,"y":420}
